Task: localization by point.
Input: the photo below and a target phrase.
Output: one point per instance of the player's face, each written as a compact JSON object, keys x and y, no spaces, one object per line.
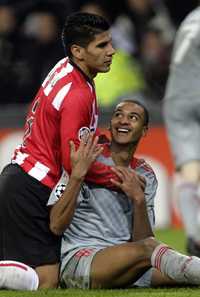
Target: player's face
{"x":127,"y":123}
{"x":98,"y":54}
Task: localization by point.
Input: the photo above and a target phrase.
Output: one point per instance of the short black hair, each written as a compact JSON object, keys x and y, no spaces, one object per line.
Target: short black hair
{"x":80,"y":28}
{"x":146,"y":112}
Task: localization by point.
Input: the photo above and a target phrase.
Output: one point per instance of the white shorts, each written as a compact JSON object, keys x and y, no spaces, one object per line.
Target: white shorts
{"x":76,"y":273}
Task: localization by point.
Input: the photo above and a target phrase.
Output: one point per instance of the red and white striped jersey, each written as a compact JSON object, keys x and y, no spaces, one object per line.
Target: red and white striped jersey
{"x":64,"y":106}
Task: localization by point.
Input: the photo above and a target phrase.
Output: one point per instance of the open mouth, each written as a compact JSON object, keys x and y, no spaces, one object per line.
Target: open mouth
{"x":122,"y":130}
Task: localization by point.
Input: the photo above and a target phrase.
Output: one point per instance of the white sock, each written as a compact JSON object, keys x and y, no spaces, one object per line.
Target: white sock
{"x":179,"y":267}
{"x":17,"y":276}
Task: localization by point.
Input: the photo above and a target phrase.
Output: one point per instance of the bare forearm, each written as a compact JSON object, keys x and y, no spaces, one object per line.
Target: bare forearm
{"x":141,"y":225}
{"x":62,"y":212}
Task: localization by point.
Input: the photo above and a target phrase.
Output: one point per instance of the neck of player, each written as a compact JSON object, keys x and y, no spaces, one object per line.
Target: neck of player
{"x":122,"y":154}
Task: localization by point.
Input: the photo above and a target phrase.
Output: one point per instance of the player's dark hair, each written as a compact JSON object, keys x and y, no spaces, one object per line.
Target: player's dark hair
{"x":146,"y":112}
{"x":80,"y":28}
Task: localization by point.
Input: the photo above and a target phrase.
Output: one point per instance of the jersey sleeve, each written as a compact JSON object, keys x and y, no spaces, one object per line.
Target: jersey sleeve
{"x":58,"y":189}
{"x":147,"y":172}
{"x":75,"y":114}
{"x":150,"y":193}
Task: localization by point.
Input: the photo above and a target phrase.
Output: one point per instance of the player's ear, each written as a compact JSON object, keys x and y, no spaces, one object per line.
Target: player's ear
{"x":77,"y":51}
{"x":145,"y":130}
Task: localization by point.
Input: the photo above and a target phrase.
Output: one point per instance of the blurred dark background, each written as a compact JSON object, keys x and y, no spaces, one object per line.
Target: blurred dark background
{"x":143,"y":34}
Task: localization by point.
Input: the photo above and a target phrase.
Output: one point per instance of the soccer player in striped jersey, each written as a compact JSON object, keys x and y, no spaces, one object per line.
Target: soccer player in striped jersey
{"x":107,"y":237}
{"x":182,"y":116}
{"x":64,"y":108}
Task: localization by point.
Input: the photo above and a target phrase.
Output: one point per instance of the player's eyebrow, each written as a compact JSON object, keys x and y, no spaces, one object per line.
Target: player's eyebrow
{"x":102,"y":44}
{"x":130,"y":113}
{"x":136,"y":113}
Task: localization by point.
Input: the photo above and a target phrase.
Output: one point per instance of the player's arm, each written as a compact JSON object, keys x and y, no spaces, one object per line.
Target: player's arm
{"x":62,"y":212}
{"x":75,"y":114}
{"x":133,"y":186}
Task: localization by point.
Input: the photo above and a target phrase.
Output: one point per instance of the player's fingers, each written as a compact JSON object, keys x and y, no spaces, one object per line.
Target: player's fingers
{"x":141,"y":178}
{"x":72,"y":147}
{"x":126,"y":172}
{"x":91,"y":143}
{"x":94,"y":143}
{"x":116,"y":183}
{"x":89,"y":140}
{"x":83,"y":142}
{"x":142,"y":181}
{"x":118,"y":172}
{"x":97,"y":151}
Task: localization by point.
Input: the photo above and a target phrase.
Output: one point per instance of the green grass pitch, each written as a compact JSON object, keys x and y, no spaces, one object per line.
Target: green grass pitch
{"x":174,"y":238}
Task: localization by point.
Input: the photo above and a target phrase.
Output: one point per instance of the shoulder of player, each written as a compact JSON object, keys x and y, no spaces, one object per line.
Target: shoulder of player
{"x":64,"y":75}
{"x":191,"y":20}
{"x":67,"y":91}
{"x":77,"y":84}
{"x":194,"y":15}
{"x":144,"y":169}
{"x":142,"y":165}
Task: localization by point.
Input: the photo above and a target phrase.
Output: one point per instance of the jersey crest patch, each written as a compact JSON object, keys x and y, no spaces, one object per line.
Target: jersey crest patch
{"x":59,"y":190}
{"x":84,"y":133}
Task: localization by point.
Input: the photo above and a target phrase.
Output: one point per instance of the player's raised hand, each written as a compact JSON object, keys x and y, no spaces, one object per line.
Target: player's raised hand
{"x":82,"y":158}
{"x":132,"y":184}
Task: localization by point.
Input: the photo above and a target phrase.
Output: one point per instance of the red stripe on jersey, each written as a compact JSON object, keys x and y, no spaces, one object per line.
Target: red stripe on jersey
{"x":14,"y":265}
{"x":106,"y":151}
{"x":147,"y":167}
{"x":134,"y":162}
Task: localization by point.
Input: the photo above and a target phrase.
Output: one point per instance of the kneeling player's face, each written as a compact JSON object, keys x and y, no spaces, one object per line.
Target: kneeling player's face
{"x":127,"y":123}
{"x":98,"y":54}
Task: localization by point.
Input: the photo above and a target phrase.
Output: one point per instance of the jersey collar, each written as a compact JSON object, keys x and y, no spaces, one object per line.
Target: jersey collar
{"x":82,"y":72}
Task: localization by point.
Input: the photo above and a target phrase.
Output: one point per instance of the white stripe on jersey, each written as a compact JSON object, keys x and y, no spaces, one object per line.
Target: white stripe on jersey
{"x":94,"y":118}
{"x":55,"y":77}
{"x":19,"y":158}
{"x":57,"y":101}
{"x":53,"y":70}
{"x":39,"y":171}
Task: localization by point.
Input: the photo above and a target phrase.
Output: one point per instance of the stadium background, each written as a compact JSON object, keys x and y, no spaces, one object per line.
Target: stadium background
{"x":143,"y":34}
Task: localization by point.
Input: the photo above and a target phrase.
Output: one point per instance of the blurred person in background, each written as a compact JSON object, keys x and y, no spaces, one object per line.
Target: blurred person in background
{"x":29,"y":47}
{"x":39,"y":49}
{"x":154,"y":58}
{"x":182,"y":116}
{"x":154,"y":32}
{"x":143,"y":13}
{"x":64,"y":109}
{"x":8,"y":40}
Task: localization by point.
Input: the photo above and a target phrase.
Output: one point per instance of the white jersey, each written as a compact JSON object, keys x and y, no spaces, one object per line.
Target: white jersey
{"x":102,"y":217}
